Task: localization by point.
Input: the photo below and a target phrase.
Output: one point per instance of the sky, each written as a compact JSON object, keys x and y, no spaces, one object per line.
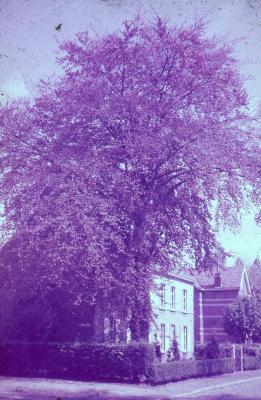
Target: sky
{"x":29,"y":43}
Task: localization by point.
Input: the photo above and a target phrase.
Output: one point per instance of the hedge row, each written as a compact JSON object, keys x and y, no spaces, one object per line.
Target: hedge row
{"x":251,"y":362}
{"x":225,"y":350}
{"x":130,"y":363}
{"x":101,"y":362}
{"x":178,"y":370}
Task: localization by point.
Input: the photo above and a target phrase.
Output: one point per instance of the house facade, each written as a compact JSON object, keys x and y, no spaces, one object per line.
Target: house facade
{"x":186,"y":306}
{"x":173,"y":313}
{"x":213,"y":293}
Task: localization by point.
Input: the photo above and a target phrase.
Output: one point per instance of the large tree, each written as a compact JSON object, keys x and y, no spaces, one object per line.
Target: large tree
{"x":115,"y":168}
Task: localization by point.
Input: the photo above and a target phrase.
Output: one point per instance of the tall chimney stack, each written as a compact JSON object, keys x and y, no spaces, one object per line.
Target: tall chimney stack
{"x":217,"y":280}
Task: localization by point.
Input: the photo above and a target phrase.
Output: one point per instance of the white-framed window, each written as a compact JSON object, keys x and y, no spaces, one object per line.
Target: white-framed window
{"x":172,"y":332}
{"x":162,"y":337}
{"x":162,"y":295}
{"x":185,"y":300}
{"x":185,"y":338}
{"x":173,"y":297}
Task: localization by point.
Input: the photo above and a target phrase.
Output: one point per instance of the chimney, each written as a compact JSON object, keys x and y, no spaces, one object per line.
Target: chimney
{"x":217,"y":280}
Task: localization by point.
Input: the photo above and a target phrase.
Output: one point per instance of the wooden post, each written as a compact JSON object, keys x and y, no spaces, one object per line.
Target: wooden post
{"x":241,"y":358}
{"x":234,"y":356}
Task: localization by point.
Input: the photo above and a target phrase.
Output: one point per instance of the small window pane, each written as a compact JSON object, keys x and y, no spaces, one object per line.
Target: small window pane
{"x":173,"y":297}
{"x":162,"y":296}
{"x":185,"y":300}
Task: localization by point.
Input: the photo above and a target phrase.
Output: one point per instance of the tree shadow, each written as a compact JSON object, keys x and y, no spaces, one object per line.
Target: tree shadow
{"x":98,"y":395}
{"x":221,"y":397}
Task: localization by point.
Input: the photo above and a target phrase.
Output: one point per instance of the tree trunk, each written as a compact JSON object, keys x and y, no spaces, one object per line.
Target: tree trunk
{"x":140,"y":319}
{"x":98,"y":325}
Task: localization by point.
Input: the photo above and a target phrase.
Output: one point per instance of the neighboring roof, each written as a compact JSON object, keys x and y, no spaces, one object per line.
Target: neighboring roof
{"x":231,"y":278}
{"x":254,"y":273}
{"x":177,"y":275}
{"x":183,"y":276}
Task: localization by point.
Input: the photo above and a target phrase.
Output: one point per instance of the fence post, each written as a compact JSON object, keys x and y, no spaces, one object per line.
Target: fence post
{"x":241,"y":359}
{"x":234,"y":356}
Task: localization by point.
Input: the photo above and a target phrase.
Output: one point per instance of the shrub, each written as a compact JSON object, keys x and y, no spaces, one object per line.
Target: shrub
{"x":200,"y":352}
{"x":94,"y":361}
{"x":212,"y":349}
{"x":138,"y":358}
{"x":226,"y":350}
{"x":253,"y":349}
{"x":173,"y":352}
{"x":177,"y":370}
{"x":251,"y":363}
{"x":158,"y":351}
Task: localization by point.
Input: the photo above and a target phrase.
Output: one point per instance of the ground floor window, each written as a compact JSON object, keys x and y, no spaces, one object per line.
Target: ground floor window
{"x":185,"y":338}
{"x":172,"y":332}
{"x":162,"y":337}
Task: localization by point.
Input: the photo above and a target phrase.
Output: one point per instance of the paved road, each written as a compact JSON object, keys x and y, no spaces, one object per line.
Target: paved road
{"x":239,"y":386}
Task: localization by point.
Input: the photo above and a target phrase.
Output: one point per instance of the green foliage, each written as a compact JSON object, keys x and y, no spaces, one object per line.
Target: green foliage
{"x":200,"y":352}
{"x":158,"y":351}
{"x":251,"y":362}
{"x":177,"y":370}
{"x":252,"y":349}
{"x":226,"y":350}
{"x":242,"y":319}
{"x":101,"y":362}
{"x":138,"y":357}
{"x":173,"y":353}
{"x":112,"y":168}
{"x":212,"y":348}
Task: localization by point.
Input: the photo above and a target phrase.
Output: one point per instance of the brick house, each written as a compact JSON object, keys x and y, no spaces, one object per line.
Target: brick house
{"x":213,"y":292}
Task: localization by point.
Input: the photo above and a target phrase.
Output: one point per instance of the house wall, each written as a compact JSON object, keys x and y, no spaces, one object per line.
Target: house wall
{"x":214,"y":303}
{"x":169,"y":316}
{"x":245,"y":289}
{"x":198,"y":317}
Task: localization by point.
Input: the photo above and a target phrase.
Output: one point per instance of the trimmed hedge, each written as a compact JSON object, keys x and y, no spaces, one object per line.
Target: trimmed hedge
{"x":251,"y":362}
{"x":101,"y":362}
{"x":178,"y":370}
{"x":203,"y":352}
{"x":133,"y":362}
{"x":253,"y":349}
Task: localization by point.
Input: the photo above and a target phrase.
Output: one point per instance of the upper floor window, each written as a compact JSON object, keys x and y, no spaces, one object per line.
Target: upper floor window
{"x":162,"y":296}
{"x":173,"y":297}
{"x":185,"y":300}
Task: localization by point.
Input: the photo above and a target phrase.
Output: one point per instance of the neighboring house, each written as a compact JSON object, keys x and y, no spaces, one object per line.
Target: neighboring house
{"x":254,"y":273}
{"x":213,"y":292}
{"x":173,"y":312}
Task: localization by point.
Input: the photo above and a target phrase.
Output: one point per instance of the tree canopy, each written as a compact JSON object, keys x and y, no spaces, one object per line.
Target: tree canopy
{"x":114,"y":168}
{"x":243,"y":318}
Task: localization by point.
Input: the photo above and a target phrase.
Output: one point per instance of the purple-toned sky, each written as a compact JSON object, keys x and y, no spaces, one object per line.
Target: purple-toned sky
{"x":29,"y":41}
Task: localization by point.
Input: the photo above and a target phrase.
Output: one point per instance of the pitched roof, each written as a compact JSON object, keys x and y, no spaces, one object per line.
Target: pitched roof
{"x":230,"y":277}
